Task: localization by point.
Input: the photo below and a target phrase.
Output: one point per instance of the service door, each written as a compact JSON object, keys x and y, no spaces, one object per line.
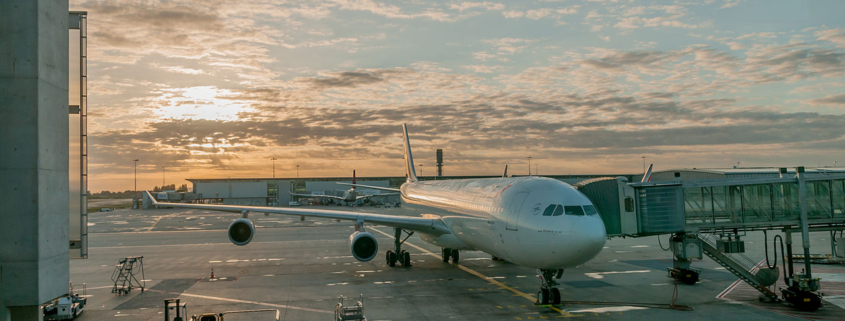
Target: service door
{"x":513,"y":211}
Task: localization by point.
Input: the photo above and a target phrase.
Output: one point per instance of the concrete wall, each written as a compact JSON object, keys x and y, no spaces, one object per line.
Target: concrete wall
{"x":34,"y":261}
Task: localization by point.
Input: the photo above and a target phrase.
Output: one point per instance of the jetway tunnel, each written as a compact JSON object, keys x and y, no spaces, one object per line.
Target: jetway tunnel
{"x":710,"y":217}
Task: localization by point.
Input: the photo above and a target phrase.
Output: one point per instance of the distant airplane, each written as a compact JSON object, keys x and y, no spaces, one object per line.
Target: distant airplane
{"x":350,"y":195}
{"x":533,"y":221}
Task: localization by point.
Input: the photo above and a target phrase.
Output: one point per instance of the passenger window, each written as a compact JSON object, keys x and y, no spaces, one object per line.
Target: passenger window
{"x":549,"y":210}
{"x":591,"y":210}
{"x":574,"y":210}
{"x":558,"y":210}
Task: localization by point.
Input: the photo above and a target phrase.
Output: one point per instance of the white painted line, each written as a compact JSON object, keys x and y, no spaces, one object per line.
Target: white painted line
{"x":600,"y":275}
{"x":608,"y":309}
{"x":281,"y":306}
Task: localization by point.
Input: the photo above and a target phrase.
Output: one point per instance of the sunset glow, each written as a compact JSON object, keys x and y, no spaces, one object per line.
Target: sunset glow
{"x":216,"y":89}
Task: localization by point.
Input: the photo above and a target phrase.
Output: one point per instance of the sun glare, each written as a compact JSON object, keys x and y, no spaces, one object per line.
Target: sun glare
{"x":200,"y":103}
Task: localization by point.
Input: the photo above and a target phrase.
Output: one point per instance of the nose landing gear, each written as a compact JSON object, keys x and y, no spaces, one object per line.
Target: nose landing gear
{"x":549,"y":294}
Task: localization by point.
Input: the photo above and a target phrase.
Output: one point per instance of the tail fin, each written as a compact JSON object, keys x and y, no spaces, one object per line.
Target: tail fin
{"x":647,"y":174}
{"x":505,"y":174}
{"x":410,"y":172}
{"x":353,"y":179}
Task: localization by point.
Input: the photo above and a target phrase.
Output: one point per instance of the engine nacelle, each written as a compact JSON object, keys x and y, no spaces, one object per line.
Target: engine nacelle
{"x":241,"y":231}
{"x":363,"y":245}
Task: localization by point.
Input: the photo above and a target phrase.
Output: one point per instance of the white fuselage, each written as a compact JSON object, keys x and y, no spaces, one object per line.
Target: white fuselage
{"x":504,"y":217}
{"x":350,"y":195}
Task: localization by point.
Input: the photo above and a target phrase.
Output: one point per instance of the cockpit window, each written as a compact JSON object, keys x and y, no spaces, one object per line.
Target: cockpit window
{"x":558,"y":211}
{"x":549,"y":210}
{"x":591,"y":210}
{"x":574,"y":210}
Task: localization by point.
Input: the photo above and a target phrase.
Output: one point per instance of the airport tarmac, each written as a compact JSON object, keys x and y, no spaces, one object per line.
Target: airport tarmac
{"x":301,"y":268}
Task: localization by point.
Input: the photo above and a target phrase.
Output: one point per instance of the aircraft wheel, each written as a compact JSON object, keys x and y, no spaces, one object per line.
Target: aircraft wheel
{"x":455,"y":256}
{"x":555,"y":296}
{"x":407,"y":258}
{"x":445,"y":254}
{"x":543,"y":296}
{"x":391,"y":258}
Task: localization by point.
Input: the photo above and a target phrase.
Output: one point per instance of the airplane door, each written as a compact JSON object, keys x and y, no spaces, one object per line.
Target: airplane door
{"x":513,"y":211}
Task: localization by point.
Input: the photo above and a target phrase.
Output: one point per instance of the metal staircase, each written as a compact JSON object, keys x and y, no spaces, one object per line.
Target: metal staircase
{"x":735,"y":267}
{"x":124,"y":275}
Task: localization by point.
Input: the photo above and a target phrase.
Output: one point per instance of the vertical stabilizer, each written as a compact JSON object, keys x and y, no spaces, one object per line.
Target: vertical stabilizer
{"x":410,"y":172}
{"x":505,"y":174}
{"x":353,"y":179}
{"x":647,"y":175}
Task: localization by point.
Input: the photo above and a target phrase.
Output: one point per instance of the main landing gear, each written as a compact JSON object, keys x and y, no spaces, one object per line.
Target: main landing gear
{"x":446,"y":253}
{"x":398,"y":254}
{"x":549,"y":293}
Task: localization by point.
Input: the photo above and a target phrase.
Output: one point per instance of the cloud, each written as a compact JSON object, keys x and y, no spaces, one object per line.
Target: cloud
{"x":836,"y":36}
{"x":830,"y":100}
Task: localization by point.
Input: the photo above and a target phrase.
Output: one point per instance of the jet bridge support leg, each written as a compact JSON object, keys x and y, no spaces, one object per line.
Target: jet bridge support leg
{"x":802,"y":289}
{"x":684,"y":249}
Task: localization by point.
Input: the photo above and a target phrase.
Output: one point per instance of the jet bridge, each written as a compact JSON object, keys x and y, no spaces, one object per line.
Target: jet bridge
{"x":711,"y":216}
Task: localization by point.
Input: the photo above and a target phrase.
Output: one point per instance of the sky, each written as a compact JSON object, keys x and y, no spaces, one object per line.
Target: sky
{"x":216,"y":89}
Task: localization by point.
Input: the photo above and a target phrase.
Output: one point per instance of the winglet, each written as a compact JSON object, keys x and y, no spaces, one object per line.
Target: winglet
{"x":647,"y":175}
{"x":505,"y":174}
{"x":354,"y":182}
{"x":410,"y":172}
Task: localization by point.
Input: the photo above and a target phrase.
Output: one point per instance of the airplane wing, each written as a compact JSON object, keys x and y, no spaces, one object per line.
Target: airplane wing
{"x":420,"y":224}
{"x":368,"y":196}
{"x":372,"y":187}
{"x":315,"y":195}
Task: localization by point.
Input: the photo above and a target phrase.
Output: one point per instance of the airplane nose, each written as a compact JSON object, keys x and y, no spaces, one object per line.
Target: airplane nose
{"x":592,"y":238}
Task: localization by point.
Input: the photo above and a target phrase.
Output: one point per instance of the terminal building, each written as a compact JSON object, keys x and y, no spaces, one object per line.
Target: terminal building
{"x":277,"y":191}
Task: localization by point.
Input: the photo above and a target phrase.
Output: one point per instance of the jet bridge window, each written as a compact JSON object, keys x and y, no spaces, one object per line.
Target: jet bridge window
{"x":574,"y":210}
{"x":591,"y":210}
{"x":549,"y":210}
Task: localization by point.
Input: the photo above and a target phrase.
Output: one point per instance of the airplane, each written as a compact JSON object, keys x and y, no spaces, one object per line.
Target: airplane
{"x":350,"y":195}
{"x":535,"y":222}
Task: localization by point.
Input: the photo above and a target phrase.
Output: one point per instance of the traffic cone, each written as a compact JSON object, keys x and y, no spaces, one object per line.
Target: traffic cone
{"x":212,"y":273}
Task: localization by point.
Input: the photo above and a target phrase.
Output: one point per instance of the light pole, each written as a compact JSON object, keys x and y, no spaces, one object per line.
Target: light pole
{"x":136,"y":183}
{"x":274,"y":167}
{"x":529,"y":165}
{"x":643,"y":164}
{"x":421,"y":170}
{"x":275,"y":186}
{"x":162,"y":177}
{"x":297,"y":171}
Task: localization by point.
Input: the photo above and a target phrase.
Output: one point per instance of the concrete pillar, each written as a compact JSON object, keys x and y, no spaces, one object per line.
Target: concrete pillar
{"x":34,"y":266}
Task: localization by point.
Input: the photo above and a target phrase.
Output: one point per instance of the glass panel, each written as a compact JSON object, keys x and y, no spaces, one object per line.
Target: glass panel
{"x":591,"y":210}
{"x":721,"y":212}
{"x":818,"y":199}
{"x":558,"y":210}
{"x":549,"y":210}
{"x":84,"y":84}
{"x":839,"y":198}
{"x":756,"y":201}
{"x":573,"y":210}
{"x":83,"y":107}
{"x":785,"y":201}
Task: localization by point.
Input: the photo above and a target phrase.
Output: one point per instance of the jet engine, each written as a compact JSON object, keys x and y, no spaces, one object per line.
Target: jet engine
{"x":364,"y":246}
{"x":241,"y":231}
